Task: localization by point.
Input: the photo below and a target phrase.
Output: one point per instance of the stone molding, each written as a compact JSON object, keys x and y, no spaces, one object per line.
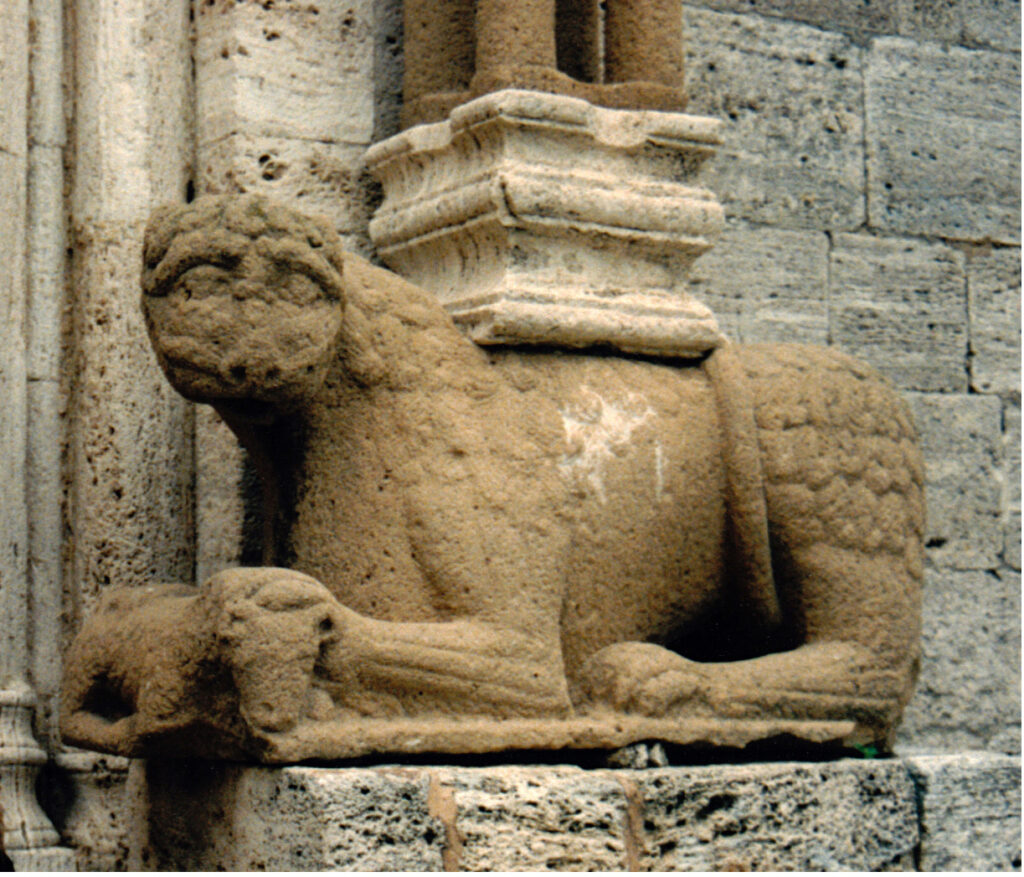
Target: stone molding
{"x":541,"y":219}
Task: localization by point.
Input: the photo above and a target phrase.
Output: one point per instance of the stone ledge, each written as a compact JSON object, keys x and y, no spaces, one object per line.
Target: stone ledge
{"x":918,"y":812}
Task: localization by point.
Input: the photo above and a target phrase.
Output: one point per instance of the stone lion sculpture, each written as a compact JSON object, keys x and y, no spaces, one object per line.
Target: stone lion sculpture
{"x":472,"y":550}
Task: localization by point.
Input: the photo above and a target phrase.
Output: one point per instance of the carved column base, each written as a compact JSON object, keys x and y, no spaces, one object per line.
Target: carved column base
{"x":29,"y":840}
{"x":542,"y":219}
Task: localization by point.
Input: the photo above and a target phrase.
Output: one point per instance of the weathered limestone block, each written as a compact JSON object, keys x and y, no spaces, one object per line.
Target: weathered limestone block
{"x":859,"y":19}
{"x":86,"y":795}
{"x":993,"y":301}
{"x":629,"y":57}
{"x":940,"y":22}
{"x":299,"y":71}
{"x":969,"y":692}
{"x":900,"y":303}
{"x":960,"y":441}
{"x":541,"y":219}
{"x":847,"y":815}
{"x":975,"y":23}
{"x":209,"y":816}
{"x":1011,"y":485}
{"x":943,"y":141}
{"x":321,"y":177}
{"x":766,"y":284}
{"x":503,"y":549}
{"x":994,"y":23}
{"x":129,"y":463}
{"x":529,"y":818}
{"x":970,"y":811}
{"x":791,"y":98}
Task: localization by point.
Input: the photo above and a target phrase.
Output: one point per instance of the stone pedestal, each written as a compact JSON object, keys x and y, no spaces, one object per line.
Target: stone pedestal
{"x":845,"y":815}
{"x":542,"y":219}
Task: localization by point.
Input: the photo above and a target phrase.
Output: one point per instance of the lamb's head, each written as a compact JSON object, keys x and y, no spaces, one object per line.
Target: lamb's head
{"x":243,"y":299}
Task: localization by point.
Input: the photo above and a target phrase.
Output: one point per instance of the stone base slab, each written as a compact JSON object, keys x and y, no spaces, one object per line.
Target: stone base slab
{"x":543,"y":219}
{"x":861,"y":815}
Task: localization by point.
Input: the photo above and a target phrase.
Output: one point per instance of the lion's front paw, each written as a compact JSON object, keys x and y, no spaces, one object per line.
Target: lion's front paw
{"x":645,"y":679}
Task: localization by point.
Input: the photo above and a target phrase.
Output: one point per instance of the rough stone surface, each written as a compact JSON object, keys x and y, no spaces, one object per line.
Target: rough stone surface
{"x":464,"y":514}
{"x":848,"y":816}
{"x":947,"y":812}
{"x":968,"y":694}
{"x":938,"y":21}
{"x":994,"y":23}
{"x":960,"y":439}
{"x":538,"y":819}
{"x":1011,"y":484}
{"x":85,"y":794}
{"x":791,"y":97}
{"x":766,"y":284}
{"x":993,"y":301}
{"x":943,"y":141}
{"x":901,"y":305}
{"x":129,"y":461}
{"x":860,"y":18}
{"x":224,"y":817}
{"x":976,"y":23}
{"x":522,"y":247}
{"x":969,"y":811}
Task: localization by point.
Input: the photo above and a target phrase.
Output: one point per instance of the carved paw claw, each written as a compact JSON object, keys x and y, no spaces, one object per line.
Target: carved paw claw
{"x":645,"y":679}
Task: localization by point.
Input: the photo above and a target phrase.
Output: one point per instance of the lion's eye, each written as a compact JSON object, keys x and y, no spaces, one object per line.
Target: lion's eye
{"x":202,"y":281}
{"x":300,"y":289}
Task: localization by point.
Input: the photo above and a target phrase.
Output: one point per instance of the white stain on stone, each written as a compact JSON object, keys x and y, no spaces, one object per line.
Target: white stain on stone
{"x":594,"y":428}
{"x":659,"y":471}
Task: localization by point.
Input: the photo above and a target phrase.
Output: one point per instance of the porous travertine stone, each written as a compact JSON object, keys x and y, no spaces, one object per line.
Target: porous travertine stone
{"x":974,"y":23}
{"x":507,"y":549}
{"x":456,"y":50}
{"x":846,"y":815}
{"x":969,"y":811}
{"x":541,"y":219}
{"x":928,"y":20}
{"x":960,"y":440}
{"x":86,"y":795}
{"x":537,"y":819}
{"x":210,"y":816}
{"x":1011,"y":485}
{"x":843,"y":816}
{"x":791,"y":98}
{"x":901,"y":304}
{"x":969,"y":691}
{"x":993,"y":301}
{"x":766,"y":284}
{"x":858,"y":19}
{"x":943,"y":141}
{"x":994,"y":23}
{"x":129,"y":463}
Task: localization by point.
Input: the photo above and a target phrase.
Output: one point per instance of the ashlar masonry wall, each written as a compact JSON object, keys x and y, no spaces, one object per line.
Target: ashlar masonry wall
{"x":871,"y":176}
